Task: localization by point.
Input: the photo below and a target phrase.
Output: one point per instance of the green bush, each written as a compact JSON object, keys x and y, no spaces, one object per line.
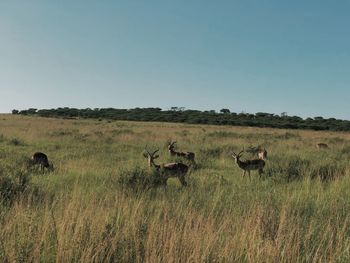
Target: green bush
{"x":16,"y":142}
{"x":292,"y":169}
{"x":140,"y":180}
{"x":2,"y":138}
{"x":12,"y":184}
{"x":327,"y":172}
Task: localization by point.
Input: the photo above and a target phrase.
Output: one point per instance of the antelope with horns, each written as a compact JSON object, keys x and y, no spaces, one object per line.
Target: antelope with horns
{"x":260,"y":152}
{"x":247,"y":166}
{"x":42,"y":161}
{"x":178,"y":170}
{"x":187,"y":155}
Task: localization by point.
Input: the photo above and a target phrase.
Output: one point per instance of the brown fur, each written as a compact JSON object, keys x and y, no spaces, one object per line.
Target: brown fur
{"x":187,"y":155}
{"x":178,"y":170}
{"x":322,"y":146}
{"x":247,"y":166}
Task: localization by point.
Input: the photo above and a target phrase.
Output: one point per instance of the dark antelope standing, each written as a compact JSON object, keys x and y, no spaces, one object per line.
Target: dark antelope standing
{"x":187,"y":155}
{"x":41,"y":159}
{"x":178,"y":170}
{"x":247,"y":166}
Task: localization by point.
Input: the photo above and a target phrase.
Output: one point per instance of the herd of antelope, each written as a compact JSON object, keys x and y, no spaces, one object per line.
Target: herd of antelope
{"x":179,"y":169}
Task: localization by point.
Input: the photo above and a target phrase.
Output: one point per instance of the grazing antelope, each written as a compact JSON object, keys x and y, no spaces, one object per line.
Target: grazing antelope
{"x":322,"y":146}
{"x":41,"y":159}
{"x":247,"y":166}
{"x":178,"y":170}
{"x":187,"y":155}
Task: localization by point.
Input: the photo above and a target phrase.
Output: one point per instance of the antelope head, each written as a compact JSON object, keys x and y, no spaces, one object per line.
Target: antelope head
{"x":262,"y":154}
{"x":171,"y":145}
{"x":248,"y":165}
{"x":237,"y":156}
{"x":151,"y":156}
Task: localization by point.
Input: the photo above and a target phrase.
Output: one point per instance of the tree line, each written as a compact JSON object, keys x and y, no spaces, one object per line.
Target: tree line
{"x":182,"y":115}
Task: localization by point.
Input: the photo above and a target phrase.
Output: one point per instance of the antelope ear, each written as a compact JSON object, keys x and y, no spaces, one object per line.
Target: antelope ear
{"x":155,"y":157}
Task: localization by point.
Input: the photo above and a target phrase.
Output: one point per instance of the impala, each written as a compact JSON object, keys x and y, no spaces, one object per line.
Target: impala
{"x":260,"y":152}
{"x":41,"y":159}
{"x":187,"y":155}
{"x":247,"y":166}
{"x":178,"y":170}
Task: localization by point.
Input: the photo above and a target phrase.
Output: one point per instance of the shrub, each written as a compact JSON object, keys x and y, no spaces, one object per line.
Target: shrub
{"x":327,"y":172}
{"x":293,"y":168}
{"x":212,"y":152}
{"x":345,"y":150}
{"x":138,"y":179}
{"x":16,"y":142}
{"x":13,"y":184}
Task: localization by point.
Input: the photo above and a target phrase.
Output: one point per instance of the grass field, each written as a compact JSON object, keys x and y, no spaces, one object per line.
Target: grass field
{"x":297,"y":212}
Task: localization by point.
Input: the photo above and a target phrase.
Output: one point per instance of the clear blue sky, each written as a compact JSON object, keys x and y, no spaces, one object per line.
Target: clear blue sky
{"x":270,"y":56}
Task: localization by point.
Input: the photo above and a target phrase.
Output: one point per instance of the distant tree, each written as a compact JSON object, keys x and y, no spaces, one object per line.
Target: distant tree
{"x":225,"y":111}
{"x":284,"y":114}
{"x":32,"y":111}
{"x":178,"y":114}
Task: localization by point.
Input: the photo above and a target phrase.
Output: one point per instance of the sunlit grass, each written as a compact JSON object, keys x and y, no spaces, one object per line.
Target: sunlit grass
{"x":297,"y":212}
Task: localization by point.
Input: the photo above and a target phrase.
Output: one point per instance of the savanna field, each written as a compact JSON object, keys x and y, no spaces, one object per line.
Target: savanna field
{"x":98,"y":204}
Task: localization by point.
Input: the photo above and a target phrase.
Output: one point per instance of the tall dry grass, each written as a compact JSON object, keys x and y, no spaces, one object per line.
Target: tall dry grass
{"x":298,"y":211}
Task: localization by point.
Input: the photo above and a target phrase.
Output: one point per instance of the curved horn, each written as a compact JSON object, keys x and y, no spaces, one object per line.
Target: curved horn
{"x":155,"y":152}
{"x":147,"y":150}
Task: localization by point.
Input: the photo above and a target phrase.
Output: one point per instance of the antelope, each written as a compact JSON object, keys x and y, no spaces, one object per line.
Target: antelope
{"x":187,"y":155}
{"x":178,"y":170}
{"x":247,"y":166}
{"x":41,"y":159}
{"x":259,"y":151}
{"x":322,"y":146}
{"x":262,"y":154}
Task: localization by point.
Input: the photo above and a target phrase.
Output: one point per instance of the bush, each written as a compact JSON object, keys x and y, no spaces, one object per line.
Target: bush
{"x":12,"y":185}
{"x":293,"y":168}
{"x":140,"y":180}
{"x":16,"y":142}
{"x":327,"y":172}
{"x":212,"y":152}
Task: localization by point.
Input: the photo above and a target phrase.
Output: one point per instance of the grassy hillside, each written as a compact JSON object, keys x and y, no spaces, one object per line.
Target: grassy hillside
{"x":297,"y":212}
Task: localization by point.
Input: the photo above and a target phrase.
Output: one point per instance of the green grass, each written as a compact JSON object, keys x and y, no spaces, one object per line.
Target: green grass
{"x":89,"y":210}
